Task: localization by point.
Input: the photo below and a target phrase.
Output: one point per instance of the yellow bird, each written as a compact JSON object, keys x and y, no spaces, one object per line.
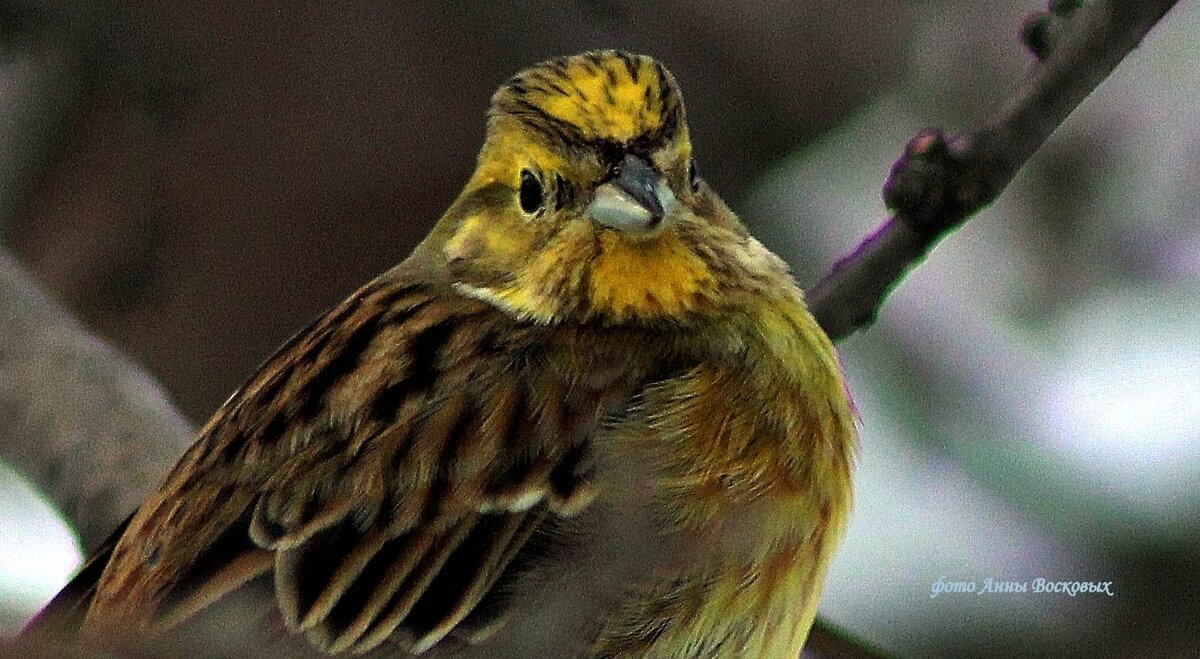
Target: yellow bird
{"x":589,"y":416}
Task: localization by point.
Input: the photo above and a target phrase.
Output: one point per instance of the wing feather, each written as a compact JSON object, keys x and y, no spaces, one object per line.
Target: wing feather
{"x":393,"y":564}
{"x":516,"y":529}
{"x":402,"y":451}
{"x":408,"y":596}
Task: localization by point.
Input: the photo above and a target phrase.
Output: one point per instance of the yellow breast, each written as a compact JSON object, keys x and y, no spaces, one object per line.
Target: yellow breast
{"x":752,"y":460}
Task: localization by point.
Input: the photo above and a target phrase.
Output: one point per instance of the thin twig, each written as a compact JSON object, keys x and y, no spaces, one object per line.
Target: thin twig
{"x":938,"y":183}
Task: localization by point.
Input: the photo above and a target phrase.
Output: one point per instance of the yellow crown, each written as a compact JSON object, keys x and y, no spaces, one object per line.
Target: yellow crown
{"x":602,"y":95}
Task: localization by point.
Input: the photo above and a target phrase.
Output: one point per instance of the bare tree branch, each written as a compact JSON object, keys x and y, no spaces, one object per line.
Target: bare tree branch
{"x":938,"y":183}
{"x":85,"y":424}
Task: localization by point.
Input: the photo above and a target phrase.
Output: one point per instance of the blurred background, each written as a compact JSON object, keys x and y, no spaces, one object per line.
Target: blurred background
{"x":196,"y":180}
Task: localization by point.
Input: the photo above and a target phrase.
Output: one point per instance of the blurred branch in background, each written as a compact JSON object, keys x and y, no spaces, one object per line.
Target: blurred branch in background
{"x":80,"y":420}
{"x":85,"y":424}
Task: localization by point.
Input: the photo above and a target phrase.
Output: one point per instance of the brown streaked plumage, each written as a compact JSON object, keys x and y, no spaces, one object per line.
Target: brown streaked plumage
{"x":590,"y":416}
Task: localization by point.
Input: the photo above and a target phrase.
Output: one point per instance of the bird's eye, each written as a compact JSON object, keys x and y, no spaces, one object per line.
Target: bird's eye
{"x":693,"y":176}
{"x":530,"y":194}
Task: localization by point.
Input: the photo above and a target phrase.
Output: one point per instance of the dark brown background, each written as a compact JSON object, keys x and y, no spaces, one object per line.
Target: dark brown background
{"x":233,"y":168}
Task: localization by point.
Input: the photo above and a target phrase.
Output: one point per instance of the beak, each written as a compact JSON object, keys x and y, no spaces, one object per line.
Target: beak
{"x":636,"y":199}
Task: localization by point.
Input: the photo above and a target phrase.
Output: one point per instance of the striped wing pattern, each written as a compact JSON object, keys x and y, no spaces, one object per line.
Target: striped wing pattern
{"x":388,"y":466}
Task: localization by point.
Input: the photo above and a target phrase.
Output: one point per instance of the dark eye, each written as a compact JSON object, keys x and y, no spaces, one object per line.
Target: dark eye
{"x":530,"y":194}
{"x":693,"y":176}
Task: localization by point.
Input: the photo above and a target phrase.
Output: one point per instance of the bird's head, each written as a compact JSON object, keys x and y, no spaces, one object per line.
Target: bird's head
{"x":586,"y":204}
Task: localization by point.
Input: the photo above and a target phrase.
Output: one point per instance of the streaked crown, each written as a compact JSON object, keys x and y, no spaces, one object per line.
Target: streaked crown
{"x":601,"y":96}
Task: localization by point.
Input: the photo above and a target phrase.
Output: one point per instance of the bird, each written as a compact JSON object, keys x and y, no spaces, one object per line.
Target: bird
{"x":589,"y":416}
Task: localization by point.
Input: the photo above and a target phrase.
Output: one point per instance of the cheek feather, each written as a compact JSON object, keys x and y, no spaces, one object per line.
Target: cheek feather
{"x":489,"y":242}
{"x":548,"y":279}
